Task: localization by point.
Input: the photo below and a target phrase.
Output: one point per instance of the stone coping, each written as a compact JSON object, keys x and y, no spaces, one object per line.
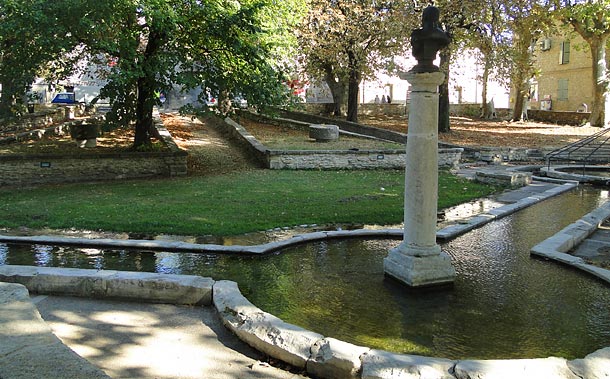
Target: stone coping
{"x":557,"y":247}
{"x":555,"y":172}
{"x":320,"y":356}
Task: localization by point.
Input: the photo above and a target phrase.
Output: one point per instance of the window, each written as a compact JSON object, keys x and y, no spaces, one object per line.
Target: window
{"x":562,"y":89}
{"x":564,"y":57}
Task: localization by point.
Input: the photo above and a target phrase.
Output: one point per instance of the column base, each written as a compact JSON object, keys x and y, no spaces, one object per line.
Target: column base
{"x":419,"y":271}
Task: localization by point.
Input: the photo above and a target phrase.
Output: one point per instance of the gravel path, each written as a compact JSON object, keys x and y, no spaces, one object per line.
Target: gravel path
{"x":210,"y":152}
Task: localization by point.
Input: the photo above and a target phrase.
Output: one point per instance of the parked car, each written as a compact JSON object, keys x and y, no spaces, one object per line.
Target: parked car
{"x":64,"y":98}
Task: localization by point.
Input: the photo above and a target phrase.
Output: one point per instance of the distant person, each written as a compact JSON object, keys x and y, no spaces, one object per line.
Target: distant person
{"x":377,"y":101}
{"x":389,"y":99}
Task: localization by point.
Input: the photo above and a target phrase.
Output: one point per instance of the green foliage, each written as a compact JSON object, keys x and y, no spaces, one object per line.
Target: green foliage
{"x":228,"y":47}
{"x":226,"y":204}
{"x":343,"y":42}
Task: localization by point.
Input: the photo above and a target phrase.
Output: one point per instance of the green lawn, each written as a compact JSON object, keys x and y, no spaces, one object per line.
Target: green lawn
{"x":228,"y":204}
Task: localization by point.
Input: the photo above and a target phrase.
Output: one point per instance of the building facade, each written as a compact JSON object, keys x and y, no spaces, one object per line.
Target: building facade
{"x":564,"y":81}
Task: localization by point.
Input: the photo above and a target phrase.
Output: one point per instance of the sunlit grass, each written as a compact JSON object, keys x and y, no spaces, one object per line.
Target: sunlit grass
{"x":228,"y":204}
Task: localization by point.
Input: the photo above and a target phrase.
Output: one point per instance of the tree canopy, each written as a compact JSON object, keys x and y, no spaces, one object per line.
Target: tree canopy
{"x":345,"y":41}
{"x":227,"y":47}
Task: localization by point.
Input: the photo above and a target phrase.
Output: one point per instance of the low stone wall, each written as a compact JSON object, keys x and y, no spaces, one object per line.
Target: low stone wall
{"x":331,"y":159}
{"x":556,"y":117}
{"x":30,"y":169}
{"x":40,"y":119}
{"x":498,"y":155}
{"x":362,"y":159}
{"x":395,"y":109}
{"x":320,"y":356}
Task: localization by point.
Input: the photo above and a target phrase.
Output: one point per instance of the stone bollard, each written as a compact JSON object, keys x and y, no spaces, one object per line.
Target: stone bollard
{"x":324,"y":133}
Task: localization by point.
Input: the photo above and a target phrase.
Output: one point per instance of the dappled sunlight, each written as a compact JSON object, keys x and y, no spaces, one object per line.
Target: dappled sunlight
{"x":493,"y":133}
{"x":138,"y":340}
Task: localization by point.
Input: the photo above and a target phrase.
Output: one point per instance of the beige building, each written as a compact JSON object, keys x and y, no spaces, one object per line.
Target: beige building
{"x":564,"y":80}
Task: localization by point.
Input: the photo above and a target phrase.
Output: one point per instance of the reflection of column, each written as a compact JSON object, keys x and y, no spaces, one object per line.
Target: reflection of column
{"x":418,"y":260}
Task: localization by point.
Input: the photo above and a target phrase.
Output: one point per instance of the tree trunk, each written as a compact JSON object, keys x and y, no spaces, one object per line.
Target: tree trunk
{"x":147,"y":84}
{"x":443,"y":89}
{"x":519,"y":103}
{"x":485,"y":112}
{"x":144,"y":110}
{"x":337,"y":90}
{"x":224,"y":102}
{"x":8,"y":99}
{"x":352,"y":96}
{"x":600,"y":83}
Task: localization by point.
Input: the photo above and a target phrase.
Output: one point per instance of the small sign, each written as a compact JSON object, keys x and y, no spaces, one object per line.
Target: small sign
{"x":45,"y":164}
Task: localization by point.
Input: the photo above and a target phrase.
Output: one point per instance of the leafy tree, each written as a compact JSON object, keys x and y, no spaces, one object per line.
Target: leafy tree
{"x":591,"y":20}
{"x":527,"y":22}
{"x":29,"y":37}
{"x":345,"y":41}
{"x":226,"y":46}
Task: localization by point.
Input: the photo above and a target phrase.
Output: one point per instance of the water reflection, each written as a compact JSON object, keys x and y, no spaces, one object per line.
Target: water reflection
{"x":3,"y":253}
{"x":504,"y":304}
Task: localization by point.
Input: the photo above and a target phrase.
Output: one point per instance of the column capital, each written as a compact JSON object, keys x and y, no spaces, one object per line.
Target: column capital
{"x":423,"y":81}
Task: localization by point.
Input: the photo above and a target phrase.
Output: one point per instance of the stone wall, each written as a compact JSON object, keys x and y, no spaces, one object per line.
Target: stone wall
{"x":465,"y":110}
{"x":40,"y":119}
{"x":29,"y":169}
{"x":394,"y":109}
{"x":363,"y":159}
{"x":562,"y":118}
{"x":330,"y":159}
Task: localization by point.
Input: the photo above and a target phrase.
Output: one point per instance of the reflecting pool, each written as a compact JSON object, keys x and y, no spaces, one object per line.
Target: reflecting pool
{"x":504,"y":304}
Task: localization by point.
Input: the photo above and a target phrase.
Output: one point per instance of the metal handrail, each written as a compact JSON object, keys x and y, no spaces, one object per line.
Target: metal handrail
{"x":596,"y":142}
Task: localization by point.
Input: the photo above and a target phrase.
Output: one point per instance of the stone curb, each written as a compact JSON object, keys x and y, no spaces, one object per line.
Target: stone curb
{"x":125,"y":285}
{"x":29,"y":349}
{"x":503,"y":211}
{"x":324,"y":357}
{"x":557,"y":246}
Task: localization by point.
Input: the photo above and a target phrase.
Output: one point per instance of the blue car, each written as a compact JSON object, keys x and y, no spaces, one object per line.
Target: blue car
{"x":64,"y":98}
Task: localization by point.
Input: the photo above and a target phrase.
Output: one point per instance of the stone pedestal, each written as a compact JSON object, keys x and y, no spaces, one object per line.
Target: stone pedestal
{"x":418,"y":260}
{"x":324,"y":133}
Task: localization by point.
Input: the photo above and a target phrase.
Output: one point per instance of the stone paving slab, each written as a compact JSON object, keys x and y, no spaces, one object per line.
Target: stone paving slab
{"x":163,"y":341}
{"x":28,"y":347}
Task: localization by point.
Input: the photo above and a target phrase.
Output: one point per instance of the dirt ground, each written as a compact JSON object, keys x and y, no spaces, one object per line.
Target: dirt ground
{"x":475,"y":132}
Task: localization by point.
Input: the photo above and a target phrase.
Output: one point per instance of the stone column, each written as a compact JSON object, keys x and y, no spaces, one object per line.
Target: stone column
{"x":418,"y":260}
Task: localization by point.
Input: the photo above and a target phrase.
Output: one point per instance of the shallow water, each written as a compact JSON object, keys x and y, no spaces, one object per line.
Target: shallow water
{"x":504,"y":304}
{"x":602,"y":172}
